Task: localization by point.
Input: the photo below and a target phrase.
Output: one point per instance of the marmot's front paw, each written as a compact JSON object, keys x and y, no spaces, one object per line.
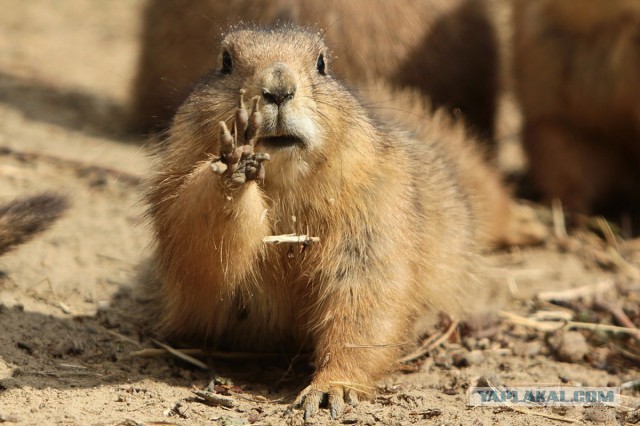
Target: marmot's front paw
{"x":237,"y":162}
{"x":334,"y":395}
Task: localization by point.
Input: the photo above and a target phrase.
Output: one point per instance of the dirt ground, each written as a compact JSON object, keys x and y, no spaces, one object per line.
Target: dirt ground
{"x":69,"y":332}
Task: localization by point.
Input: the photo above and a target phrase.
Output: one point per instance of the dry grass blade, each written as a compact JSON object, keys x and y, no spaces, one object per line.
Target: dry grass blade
{"x":577,"y":293}
{"x":630,"y":270}
{"x":121,"y":337}
{"x":631,"y":384}
{"x":616,"y":311}
{"x":430,"y":344}
{"x":527,"y":322}
{"x":603,"y":327}
{"x":556,"y":325}
{"x":152,"y":352}
{"x":513,"y":288}
{"x":557,"y":214}
{"x":8,"y":419}
{"x":183,"y":356}
{"x":553,"y":316}
{"x":606,"y":230}
{"x":626,"y":353}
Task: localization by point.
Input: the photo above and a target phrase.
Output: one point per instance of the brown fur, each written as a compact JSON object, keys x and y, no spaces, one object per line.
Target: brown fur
{"x":397,"y":220}
{"x":445,"y":48}
{"x":22,"y":218}
{"x":577,"y":65}
{"x":503,"y":221}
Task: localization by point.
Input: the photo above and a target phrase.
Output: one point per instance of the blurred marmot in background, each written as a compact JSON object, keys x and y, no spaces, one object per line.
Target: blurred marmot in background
{"x":577,"y":70}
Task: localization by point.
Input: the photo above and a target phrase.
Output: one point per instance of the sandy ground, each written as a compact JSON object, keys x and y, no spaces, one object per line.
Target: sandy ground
{"x":68,"y":324}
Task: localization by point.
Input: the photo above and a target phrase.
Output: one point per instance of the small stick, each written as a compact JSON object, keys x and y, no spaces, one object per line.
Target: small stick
{"x":9,"y":419}
{"x":603,"y":327}
{"x":607,"y":232}
{"x":152,"y":352}
{"x":553,"y":316}
{"x":627,"y":354}
{"x":629,"y":385}
{"x":290,"y":239}
{"x":65,"y":308}
{"x":631,"y":270}
{"x":214,"y":399}
{"x":182,"y":356}
{"x":555,"y":326}
{"x":557,"y":214}
{"x":430,"y":344}
{"x":576,"y":293}
{"x":121,"y":337}
{"x":616,"y":311}
{"x":79,"y":367}
{"x":513,"y":288}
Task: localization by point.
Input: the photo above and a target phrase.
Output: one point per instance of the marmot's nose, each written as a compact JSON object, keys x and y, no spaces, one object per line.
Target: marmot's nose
{"x":278,"y":84}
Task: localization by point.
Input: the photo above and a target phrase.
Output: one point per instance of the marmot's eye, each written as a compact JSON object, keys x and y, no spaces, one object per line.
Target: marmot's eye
{"x":227,"y":64}
{"x":320,"y":64}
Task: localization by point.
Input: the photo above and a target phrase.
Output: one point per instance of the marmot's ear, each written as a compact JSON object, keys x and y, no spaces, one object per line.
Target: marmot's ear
{"x":320,"y":65}
{"x":227,"y":63}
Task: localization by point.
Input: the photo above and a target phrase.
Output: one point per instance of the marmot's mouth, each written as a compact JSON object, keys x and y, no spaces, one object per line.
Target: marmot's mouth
{"x":283,"y":141}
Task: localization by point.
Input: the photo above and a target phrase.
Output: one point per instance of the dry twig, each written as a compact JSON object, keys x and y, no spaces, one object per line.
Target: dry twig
{"x":183,"y":356}
{"x":557,"y":213}
{"x":121,"y":337}
{"x":430,"y":343}
{"x":631,"y":384}
{"x":576,"y":293}
{"x":5,"y":418}
{"x":616,"y":311}
{"x":290,"y":239}
{"x":557,"y":325}
{"x":211,"y":398}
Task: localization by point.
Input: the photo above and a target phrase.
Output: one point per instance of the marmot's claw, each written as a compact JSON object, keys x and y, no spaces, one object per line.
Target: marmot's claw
{"x":242,"y":119}
{"x":255,"y":121}
{"x":227,"y":145}
{"x":237,"y":161}
{"x":313,"y":396}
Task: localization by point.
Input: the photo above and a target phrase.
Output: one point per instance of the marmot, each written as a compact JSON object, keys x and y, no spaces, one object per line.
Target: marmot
{"x":445,"y":48}
{"x":577,"y":65}
{"x":22,"y":218}
{"x":397,"y":214}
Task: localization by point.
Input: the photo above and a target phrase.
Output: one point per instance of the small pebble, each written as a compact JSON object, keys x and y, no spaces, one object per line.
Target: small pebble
{"x":475,"y":357}
{"x":600,"y":414}
{"x":570,"y":346}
